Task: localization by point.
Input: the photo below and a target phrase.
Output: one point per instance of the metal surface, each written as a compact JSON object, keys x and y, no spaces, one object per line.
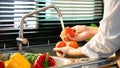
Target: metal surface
{"x":21,"y":40}
{"x":102,"y":63}
{"x":77,"y":62}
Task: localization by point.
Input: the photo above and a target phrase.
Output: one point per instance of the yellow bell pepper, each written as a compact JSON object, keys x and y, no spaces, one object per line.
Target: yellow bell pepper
{"x":17,"y":61}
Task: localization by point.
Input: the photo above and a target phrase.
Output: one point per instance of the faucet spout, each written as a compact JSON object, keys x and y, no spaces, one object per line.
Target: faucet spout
{"x":21,"y":40}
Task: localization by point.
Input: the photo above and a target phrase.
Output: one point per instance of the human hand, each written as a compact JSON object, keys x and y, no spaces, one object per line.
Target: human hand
{"x":81,"y":33}
{"x":69,"y":52}
{"x":64,"y":51}
{"x":60,"y":44}
{"x":67,"y":31}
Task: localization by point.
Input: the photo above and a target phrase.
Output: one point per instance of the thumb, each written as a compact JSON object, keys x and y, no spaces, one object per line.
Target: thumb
{"x":57,"y":49}
{"x":71,"y":38}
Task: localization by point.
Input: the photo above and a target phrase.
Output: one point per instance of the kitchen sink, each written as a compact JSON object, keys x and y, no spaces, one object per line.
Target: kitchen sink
{"x":61,"y":62}
{"x":37,"y":49}
{"x":43,"y":48}
{"x":31,"y":49}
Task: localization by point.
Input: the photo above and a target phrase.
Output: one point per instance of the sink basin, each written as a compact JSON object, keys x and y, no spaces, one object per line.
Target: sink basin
{"x":39,"y":49}
{"x":60,"y":62}
{"x":32,"y":49}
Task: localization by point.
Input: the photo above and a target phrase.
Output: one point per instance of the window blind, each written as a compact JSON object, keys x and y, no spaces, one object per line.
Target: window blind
{"x":11,"y":12}
{"x":44,"y":27}
{"x":74,"y":11}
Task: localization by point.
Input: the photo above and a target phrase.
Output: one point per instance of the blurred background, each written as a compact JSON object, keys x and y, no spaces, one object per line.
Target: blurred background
{"x":45,"y":27}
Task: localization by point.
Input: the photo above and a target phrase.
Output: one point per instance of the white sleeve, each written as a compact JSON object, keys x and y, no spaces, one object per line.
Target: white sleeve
{"x":107,"y":40}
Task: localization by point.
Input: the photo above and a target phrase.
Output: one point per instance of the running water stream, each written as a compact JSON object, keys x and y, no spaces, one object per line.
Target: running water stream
{"x":62,"y":23}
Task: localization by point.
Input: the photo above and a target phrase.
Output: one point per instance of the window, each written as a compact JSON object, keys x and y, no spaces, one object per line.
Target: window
{"x":21,"y":8}
{"x":45,"y":27}
{"x":74,"y":11}
{"x":11,"y":12}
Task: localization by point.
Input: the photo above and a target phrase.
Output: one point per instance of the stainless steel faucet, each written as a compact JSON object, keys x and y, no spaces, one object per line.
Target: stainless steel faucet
{"x":21,"y":40}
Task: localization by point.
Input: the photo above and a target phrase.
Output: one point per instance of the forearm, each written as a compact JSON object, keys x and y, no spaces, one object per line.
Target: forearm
{"x":93,"y":30}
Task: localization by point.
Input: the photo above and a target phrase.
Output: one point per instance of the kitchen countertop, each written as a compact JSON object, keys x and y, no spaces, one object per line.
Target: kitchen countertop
{"x":77,"y":62}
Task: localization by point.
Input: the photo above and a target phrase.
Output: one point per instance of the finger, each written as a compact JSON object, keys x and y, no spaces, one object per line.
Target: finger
{"x":62,"y":49}
{"x":65,"y":38}
{"x":76,"y":30}
{"x":60,"y":54}
{"x":57,"y":49}
{"x":73,"y":28}
{"x":83,"y":36}
{"x":71,"y":38}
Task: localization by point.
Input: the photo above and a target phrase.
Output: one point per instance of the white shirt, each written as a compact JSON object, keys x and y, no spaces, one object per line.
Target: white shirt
{"x":107,"y":40}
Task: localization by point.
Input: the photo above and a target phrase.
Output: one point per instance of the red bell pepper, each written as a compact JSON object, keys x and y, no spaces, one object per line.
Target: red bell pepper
{"x":43,"y":61}
{"x":2,"y":65}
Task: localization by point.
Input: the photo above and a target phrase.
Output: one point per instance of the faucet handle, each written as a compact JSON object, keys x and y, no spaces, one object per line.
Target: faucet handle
{"x":22,"y":40}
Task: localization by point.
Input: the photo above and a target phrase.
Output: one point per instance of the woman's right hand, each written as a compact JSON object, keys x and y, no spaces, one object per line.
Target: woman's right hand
{"x":82,"y":32}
